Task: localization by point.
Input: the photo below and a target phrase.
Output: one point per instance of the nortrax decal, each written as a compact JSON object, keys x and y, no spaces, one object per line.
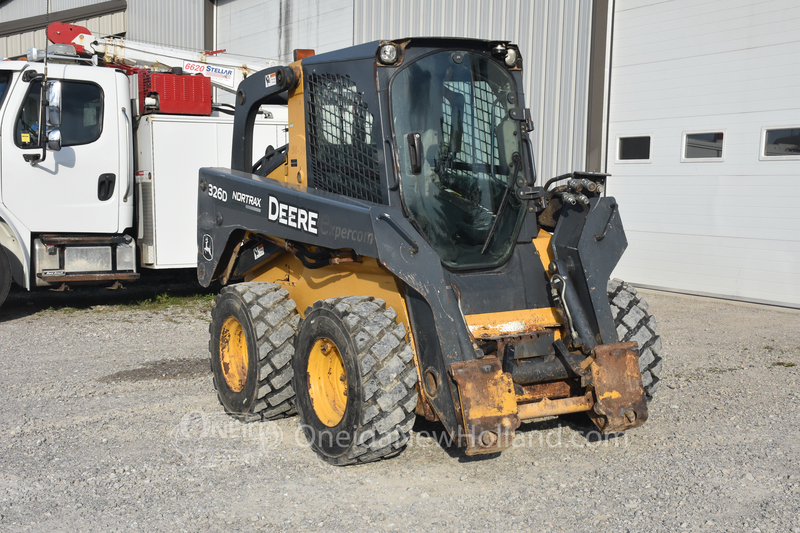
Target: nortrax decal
{"x":292,"y":216}
{"x":249,"y":201}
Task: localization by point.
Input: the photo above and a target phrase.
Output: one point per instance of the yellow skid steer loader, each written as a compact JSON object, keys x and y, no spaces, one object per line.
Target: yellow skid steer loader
{"x":397,"y":258}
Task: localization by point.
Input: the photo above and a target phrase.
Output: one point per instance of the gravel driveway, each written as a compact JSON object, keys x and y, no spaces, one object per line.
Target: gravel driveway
{"x":108,"y":422}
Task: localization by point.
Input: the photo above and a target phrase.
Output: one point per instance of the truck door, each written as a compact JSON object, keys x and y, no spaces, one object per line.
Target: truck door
{"x":77,"y":189}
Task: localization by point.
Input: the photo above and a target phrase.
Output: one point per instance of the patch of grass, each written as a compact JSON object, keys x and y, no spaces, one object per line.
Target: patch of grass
{"x":164,"y":301}
{"x":65,"y":310}
{"x":715,"y":370}
{"x":768,"y":348}
{"x":783,"y":364}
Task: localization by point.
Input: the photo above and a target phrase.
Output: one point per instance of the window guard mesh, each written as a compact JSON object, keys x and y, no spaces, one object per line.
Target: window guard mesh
{"x":343,"y":155}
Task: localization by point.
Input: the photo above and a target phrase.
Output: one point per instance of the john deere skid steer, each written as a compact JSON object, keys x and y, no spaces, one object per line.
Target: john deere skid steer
{"x":397,"y":258}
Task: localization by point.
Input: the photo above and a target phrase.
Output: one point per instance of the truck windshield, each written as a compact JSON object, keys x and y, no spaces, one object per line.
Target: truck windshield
{"x":461,"y":195}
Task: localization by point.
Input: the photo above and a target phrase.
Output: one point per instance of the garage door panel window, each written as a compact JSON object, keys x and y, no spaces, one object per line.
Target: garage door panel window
{"x":633,"y":149}
{"x":781,"y":143}
{"x":704,"y":146}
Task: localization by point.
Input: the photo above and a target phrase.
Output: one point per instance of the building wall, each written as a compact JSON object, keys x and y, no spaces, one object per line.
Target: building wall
{"x":176,"y":23}
{"x":20,"y":9}
{"x":19,"y":44}
{"x":554,"y":40}
{"x":22,"y":22}
{"x":725,"y":227}
{"x":272,"y":30}
{"x":554,"y":37}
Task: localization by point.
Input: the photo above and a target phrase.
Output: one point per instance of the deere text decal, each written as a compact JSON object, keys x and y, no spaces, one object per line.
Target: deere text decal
{"x":292,"y":216}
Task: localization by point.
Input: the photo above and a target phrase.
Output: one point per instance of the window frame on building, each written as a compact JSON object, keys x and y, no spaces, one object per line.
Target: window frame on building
{"x":762,"y":145}
{"x":707,"y":131}
{"x":617,"y":152}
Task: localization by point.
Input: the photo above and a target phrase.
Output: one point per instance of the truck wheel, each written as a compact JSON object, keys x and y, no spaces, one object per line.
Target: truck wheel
{"x":634,"y":323}
{"x":252,"y":329}
{"x":5,"y":275}
{"x":354,"y":380}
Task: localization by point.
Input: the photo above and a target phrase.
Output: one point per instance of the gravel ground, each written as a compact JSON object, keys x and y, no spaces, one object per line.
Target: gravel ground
{"x":108,"y":422}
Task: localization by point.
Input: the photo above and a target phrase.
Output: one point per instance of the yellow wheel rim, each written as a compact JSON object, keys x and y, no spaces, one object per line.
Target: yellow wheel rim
{"x":233,"y":354}
{"x":327,"y":382}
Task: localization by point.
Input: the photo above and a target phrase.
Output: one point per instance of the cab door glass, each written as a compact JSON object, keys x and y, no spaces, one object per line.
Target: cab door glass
{"x":81,"y":115}
{"x":5,"y":81}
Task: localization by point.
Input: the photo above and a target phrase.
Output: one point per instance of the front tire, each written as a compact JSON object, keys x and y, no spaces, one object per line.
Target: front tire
{"x":635,"y":323}
{"x":253,"y":326}
{"x":354,"y":380}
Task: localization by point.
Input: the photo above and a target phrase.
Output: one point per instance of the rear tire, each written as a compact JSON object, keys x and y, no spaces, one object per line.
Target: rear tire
{"x":359,"y":408}
{"x":635,"y":323}
{"x":5,"y":275}
{"x":252,"y":329}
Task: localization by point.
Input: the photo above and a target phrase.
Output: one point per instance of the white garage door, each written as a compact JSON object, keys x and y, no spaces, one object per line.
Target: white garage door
{"x":704,"y":146}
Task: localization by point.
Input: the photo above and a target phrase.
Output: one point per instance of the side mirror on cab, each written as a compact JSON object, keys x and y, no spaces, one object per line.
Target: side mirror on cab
{"x":54,"y":140}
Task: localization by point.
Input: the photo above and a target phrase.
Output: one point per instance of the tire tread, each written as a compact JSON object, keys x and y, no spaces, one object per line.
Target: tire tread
{"x":387,"y":411}
{"x":275,"y":320}
{"x":634,"y":323}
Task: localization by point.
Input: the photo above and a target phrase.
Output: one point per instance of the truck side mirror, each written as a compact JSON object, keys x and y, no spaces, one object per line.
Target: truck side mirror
{"x":54,"y":140}
{"x":53,"y":109}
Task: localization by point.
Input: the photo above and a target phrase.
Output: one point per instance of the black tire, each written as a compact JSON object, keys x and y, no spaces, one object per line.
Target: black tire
{"x":5,"y":275}
{"x":379,"y":380}
{"x":268,"y":320}
{"x":635,"y":323}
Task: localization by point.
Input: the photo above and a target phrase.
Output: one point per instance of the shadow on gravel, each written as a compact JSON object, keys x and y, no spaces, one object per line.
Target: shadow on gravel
{"x":528,"y":432}
{"x":436,"y":431}
{"x":152,"y":285}
{"x":161,"y":370}
{"x":582,"y":424}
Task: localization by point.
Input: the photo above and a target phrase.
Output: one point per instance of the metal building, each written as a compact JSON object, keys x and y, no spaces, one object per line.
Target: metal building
{"x":556,"y":39}
{"x":178,"y":23}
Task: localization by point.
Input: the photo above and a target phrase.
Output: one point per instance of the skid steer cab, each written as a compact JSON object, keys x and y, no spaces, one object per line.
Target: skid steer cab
{"x":397,"y":258}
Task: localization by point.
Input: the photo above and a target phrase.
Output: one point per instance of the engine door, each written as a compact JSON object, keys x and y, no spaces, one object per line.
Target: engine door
{"x":77,"y":189}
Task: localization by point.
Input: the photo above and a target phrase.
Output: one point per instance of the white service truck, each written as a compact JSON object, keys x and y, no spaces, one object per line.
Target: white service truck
{"x":99,"y":166}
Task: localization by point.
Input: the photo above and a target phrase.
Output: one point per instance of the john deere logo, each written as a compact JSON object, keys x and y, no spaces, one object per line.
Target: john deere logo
{"x":208,"y":247}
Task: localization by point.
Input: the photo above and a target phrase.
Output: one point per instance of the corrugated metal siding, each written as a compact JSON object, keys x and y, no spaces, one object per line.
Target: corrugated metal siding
{"x":20,"y":9}
{"x":553,"y":36}
{"x":272,"y":30}
{"x":728,"y":227}
{"x":18,"y":45}
{"x":176,"y":23}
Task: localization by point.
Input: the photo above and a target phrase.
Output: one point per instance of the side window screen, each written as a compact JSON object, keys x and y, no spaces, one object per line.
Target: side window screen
{"x":634,"y":148}
{"x":782,"y":142}
{"x":343,"y":154}
{"x":703,"y":145}
{"x":81,"y":115}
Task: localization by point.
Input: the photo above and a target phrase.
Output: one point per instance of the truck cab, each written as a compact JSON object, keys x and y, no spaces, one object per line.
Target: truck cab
{"x":80,"y":192}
